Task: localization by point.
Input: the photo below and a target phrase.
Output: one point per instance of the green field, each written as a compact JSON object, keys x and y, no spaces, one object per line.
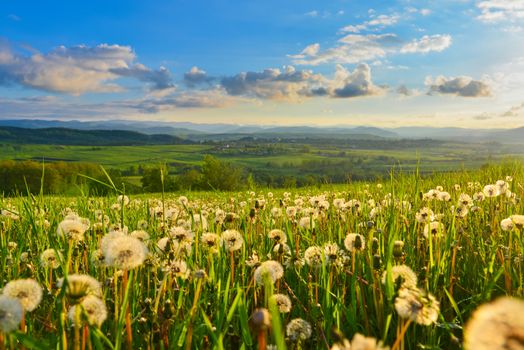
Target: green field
{"x":405,"y":263}
{"x":443,"y":157}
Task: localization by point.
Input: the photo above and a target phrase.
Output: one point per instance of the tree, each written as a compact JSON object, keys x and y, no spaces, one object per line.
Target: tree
{"x":220,"y":175}
{"x":153,"y":177}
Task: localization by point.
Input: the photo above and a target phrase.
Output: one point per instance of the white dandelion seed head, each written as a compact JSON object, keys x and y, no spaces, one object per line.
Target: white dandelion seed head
{"x":27,"y":291}
{"x":270,"y":270}
{"x":91,"y":310}
{"x":125,"y":253}
{"x":80,"y":285}
{"x":50,"y":258}
{"x":354,"y":242}
{"x":11,"y":313}
{"x":298,"y":329}
{"x":282,"y":302}
{"x":498,"y":325}
{"x":232,"y":240}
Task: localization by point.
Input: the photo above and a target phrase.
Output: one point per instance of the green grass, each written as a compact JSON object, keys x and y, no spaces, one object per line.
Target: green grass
{"x":473,"y":262}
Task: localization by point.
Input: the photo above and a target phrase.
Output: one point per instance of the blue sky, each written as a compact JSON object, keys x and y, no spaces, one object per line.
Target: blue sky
{"x":339,"y":62}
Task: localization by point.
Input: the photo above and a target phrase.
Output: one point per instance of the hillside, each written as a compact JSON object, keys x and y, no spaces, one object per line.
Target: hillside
{"x":74,"y":137}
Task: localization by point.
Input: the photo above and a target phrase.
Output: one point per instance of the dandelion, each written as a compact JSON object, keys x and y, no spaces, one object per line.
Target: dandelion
{"x":125,"y":253}
{"x":298,"y":330}
{"x":282,"y":302}
{"x":79,"y":286}
{"x":403,"y":275}
{"x":27,"y":291}
{"x":359,"y":342}
{"x":72,"y":229}
{"x":278,"y":236}
{"x":93,"y":311}
{"x":313,"y":256}
{"x":498,"y":325}
{"x":122,"y":200}
{"x":424,"y":215}
{"x":140,"y":235}
{"x":434,"y":228}
{"x":211,"y":241}
{"x":11,"y":313}
{"x":416,"y":305}
{"x":331,"y":253}
{"x":269,"y":270}
{"x":291,"y":212}
{"x":354,"y":242}
{"x":232,"y":240}
{"x":465,"y":200}
{"x":518,"y":220}
{"x":507,"y":224}
{"x":179,"y":269}
{"x":307,"y":223}
{"x":491,"y":191}
{"x":50,"y":258}
{"x":444,"y":196}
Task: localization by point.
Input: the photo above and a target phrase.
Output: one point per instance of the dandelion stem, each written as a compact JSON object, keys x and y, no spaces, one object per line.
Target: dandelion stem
{"x":401,"y":335}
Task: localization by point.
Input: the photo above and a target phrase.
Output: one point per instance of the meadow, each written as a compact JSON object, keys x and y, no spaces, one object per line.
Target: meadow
{"x":405,"y":263}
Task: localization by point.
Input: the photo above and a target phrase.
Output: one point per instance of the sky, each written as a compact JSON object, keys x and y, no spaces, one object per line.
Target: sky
{"x":288,"y":62}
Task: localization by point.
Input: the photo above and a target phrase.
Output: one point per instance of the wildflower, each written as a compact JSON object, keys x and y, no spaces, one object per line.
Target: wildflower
{"x":465,"y":200}
{"x":502,"y":186}
{"x":331,"y":252}
{"x":72,"y":229}
{"x":93,"y":311}
{"x":232,"y":240}
{"x":11,"y":313}
{"x":298,"y":329}
{"x":491,"y":191}
{"x":27,"y":291}
{"x":313,"y":256}
{"x":507,"y":224}
{"x":140,"y":235}
{"x":79,"y":286}
{"x":260,"y":320}
{"x":306,"y":222}
{"x":283,"y":302}
{"x":291,"y":212}
{"x":180,"y":234}
{"x":498,"y":325}
{"x":179,"y":269}
{"x":50,"y":258}
{"x":276,"y":213}
{"x":402,"y":274}
{"x":461,"y":211}
{"x":271,"y":270}
{"x":211,"y":241}
{"x":434,"y":228}
{"x":125,"y":253}
{"x":339,"y":203}
{"x":416,"y":305}
{"x":444,"y":196}
{"x":518,"y":220}
{"x":354,"y":242}
{"x":253,"y":260}
{"x":278,"y":236}
{"x":479,"y":196}
{"x":122,"y":199}
{"x":424,"y":215}
{"x":359,"y":342}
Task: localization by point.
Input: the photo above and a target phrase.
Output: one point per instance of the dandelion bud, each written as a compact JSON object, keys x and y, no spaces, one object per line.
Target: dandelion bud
{"x":374,"y":245}
{"x":252,"y":213}
{"x":260,"y":320}
{"x":377,"y":262}
{"x":398,"y":249}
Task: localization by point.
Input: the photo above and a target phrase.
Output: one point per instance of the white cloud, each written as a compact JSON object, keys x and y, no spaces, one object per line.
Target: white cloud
{"x":501,"y":10}
{"x":380,"y":21}
{"x":438,"y":42}
{"x":352,"y":48}
{"x":78,"y":69}
{"x":463,"y":86}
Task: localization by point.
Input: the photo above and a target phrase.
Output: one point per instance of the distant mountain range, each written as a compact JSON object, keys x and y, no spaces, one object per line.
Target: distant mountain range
{"x":65,"y":136}
{"x":180,"y":131}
